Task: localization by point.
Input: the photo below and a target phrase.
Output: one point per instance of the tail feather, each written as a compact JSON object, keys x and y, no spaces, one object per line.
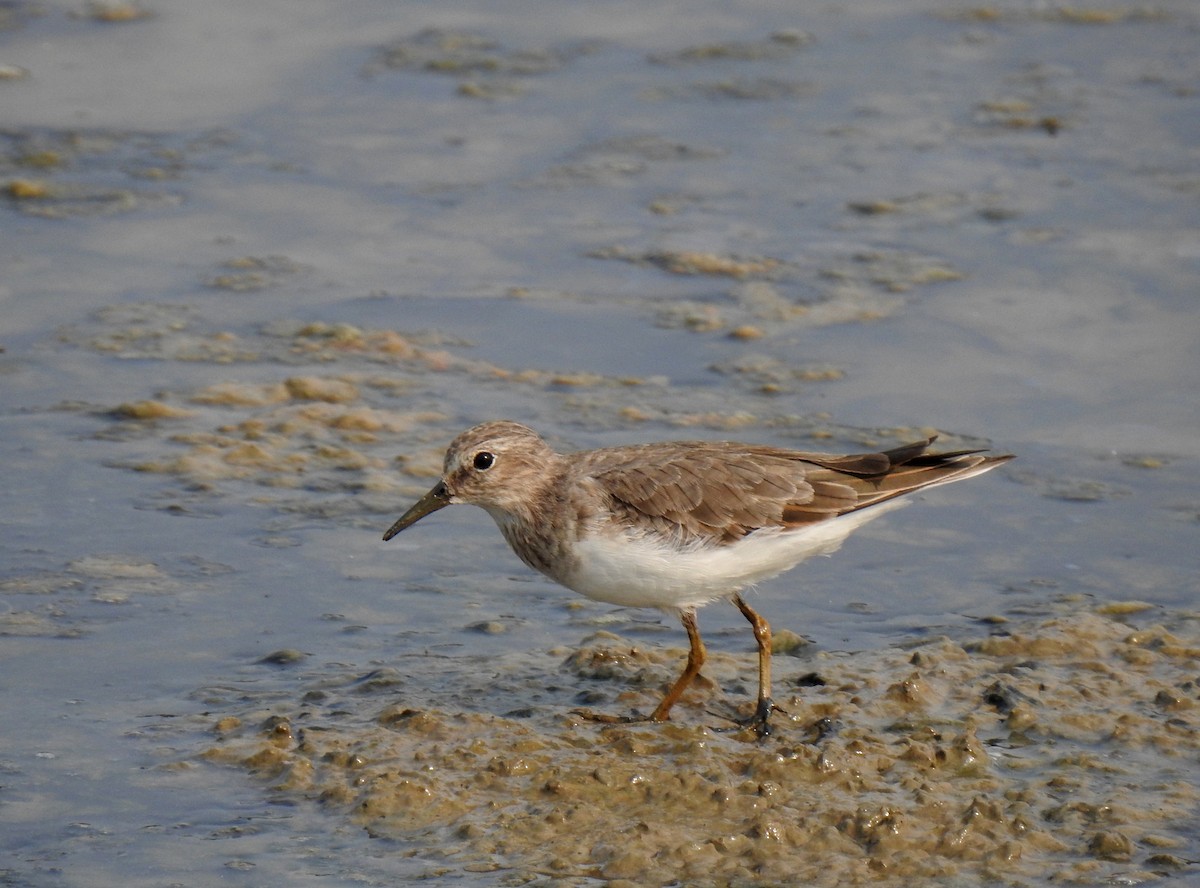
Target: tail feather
{"x":848,"y":484}
{"x":914,"y":468}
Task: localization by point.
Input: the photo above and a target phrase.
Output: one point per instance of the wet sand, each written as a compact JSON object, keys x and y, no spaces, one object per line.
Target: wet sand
{"x":1064,"y":746}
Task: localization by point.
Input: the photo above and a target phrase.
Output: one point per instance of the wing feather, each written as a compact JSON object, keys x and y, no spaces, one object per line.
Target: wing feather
{"x":723,"y":491}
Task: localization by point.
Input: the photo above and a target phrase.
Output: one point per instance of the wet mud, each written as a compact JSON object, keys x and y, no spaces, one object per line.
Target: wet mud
{"x":1061,"y":750}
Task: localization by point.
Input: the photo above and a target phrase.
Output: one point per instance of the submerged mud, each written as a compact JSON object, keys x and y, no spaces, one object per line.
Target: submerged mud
{"x":1062,"y":749}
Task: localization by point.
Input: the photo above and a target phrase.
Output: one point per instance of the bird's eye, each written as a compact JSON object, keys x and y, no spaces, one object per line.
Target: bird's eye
{"x":484,"y":460}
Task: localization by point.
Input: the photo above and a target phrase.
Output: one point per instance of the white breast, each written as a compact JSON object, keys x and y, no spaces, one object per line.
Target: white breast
{"x":637,"y":570}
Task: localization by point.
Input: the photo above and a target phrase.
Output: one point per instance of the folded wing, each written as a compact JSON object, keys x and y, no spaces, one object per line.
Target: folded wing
{"x":725,"y":490}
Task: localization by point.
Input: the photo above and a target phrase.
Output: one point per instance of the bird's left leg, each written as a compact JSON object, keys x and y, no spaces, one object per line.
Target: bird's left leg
{"x":762,"y":635}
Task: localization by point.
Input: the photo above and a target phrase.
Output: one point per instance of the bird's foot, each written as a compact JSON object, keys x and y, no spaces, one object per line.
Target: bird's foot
{"x":759,"y":721}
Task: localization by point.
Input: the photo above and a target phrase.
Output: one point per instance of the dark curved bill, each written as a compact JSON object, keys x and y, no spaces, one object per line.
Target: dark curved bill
{"x":438,"y":498}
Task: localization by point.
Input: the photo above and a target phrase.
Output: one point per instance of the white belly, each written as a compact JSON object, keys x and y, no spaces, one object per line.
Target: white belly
{"x":639,"y":571}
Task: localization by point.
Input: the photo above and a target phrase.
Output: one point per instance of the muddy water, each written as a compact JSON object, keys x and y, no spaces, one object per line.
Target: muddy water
{"x":261,"y":262}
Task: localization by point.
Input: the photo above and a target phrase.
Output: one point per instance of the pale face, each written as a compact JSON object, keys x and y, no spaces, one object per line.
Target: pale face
{"x":493,"y":465}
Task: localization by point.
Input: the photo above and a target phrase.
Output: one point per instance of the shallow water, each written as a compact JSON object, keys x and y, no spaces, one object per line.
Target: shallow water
{"x":255,"y":252}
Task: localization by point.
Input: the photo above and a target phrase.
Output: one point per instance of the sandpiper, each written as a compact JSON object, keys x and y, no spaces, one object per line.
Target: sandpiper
{"x":675,"y":525}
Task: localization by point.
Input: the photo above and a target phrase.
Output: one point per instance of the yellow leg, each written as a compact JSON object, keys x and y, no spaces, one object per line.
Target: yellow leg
{"x":762,"y":635}
{"x":696,"y":657}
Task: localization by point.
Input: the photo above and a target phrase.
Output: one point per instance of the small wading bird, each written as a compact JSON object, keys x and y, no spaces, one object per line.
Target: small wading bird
{"x":675,"y":525}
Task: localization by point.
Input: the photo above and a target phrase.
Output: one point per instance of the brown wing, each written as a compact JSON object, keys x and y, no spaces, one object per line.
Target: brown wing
{"x":695,"y":489}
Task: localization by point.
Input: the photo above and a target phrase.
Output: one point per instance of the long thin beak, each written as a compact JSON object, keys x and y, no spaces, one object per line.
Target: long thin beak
{"x":438,"y":498}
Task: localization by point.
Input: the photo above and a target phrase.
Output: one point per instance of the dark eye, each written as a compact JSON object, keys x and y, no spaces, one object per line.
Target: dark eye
{"x":484,"y":460}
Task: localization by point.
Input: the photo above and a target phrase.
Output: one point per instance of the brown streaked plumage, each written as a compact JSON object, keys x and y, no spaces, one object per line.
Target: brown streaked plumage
{"x":676,"y":525}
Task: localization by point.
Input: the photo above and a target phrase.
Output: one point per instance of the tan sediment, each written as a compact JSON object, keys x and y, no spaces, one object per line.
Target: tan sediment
{"x":1066,"y":746}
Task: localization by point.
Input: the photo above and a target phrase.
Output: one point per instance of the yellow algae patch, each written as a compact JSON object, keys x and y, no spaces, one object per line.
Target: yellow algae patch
{"x":725,"y":421}
{"x":202,"y":462}
{"x":696,"y":262}
{"x":317,"y":388}
{"x":364,"y":419}
{"x":27,"y":189}
{"x":690,"y":262}
{"x":343,"y":457}
{"x":149,"y":410}
{"x":1119,"y":608}
{"x":1145,"y":461}
{"x":1080,"y":15}
{"x":325,"y":340}
{"x":249,"y":454}
{"x":371,"y":419}
{"x":634,"y":414}
{"x":746,"y":332}
{"x":1071,"y":15}
{"x":579,"y":379}
{"x":212,"y":462}
{"x":115,"y":567}
{"x":249,"y":273}
{"x":239,"y":394}
{"x":425,"y":463}
{"x":285,"y":440}
{"x":116,"y":12}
